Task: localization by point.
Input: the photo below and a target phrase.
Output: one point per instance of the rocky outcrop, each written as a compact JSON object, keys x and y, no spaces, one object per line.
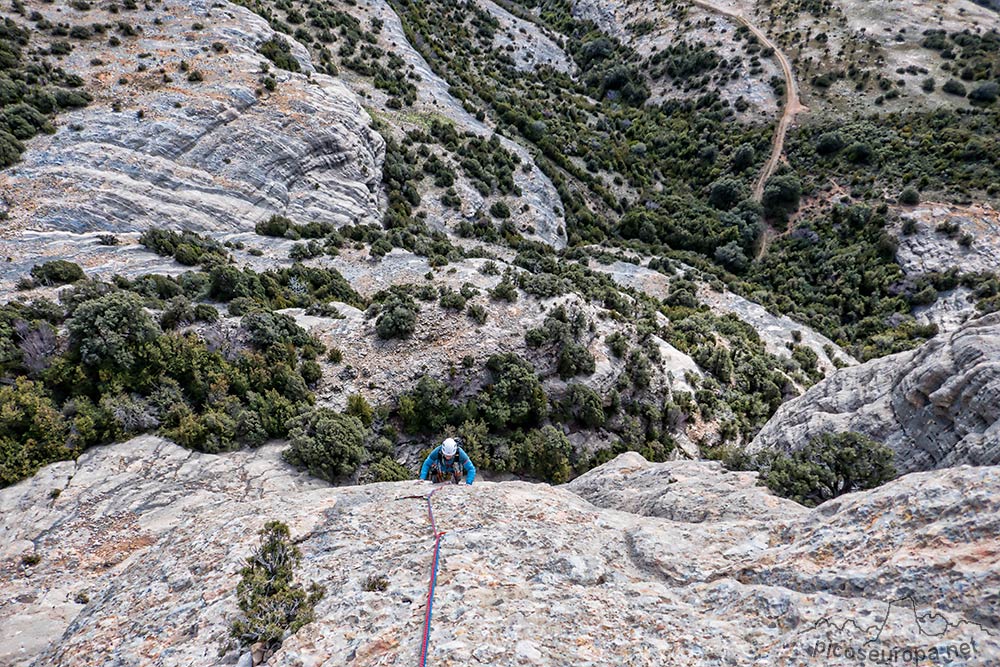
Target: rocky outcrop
{"x":217,"y":154}
{"x":936,"y":406}
{"x":929,"y":248}
{"x":776,"y":331}
{"x":140,"y":552}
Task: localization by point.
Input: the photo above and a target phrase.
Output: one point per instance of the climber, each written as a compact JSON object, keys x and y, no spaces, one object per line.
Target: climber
{"x":447,"y":462}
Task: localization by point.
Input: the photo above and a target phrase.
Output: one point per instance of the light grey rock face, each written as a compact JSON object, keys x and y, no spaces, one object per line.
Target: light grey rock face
{"x":936,"y":406}
{"x":927,"y":250}
{"x":775,"y":330}
{"x":529,"y":574}
{"x":688,"y":491}
{"x":532,"y":46}
{"x":216,"y":155}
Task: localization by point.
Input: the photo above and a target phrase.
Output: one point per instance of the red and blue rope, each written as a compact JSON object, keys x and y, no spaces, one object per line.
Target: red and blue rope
{"x":433,"y":581}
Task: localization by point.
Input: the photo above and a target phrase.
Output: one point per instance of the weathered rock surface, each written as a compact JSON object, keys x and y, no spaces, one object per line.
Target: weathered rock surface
{"x":209,"y":155}
{"x":530,"y":574}
{"x":936,"y":406}
{"x":774,"y":330}
{"x":928,"y":250}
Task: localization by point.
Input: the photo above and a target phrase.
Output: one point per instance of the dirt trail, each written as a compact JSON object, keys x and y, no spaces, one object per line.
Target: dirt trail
{"x":792,"y":103}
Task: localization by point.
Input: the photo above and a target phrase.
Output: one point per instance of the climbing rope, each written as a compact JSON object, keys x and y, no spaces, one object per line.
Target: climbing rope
{"x":433,"y":581}
{"x":429,"y":607}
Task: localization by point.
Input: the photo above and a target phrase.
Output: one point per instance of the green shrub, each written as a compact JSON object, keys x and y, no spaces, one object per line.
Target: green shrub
{"x":427,"y":407}
{"x":112,"y":331}
{"x":57,"y":272}
{"x":397,"y":318}
{"x":273,"y":329}
{"x":909,"y":197}
{"x":477,"y":313}
{"x":986,"y":93}
{"x":178,"y":312}
{"x":781,"y":196}
{"x":618,"y":344}
{"x":358,"y":406}
{"x":726,"y":193}
{"x":204,"y":312}
{"x":505,"y":290}
{"x":954,"y":87}
{"x":830,"y":465}
{"x":829,"y":143}
{"x":544,"y":453}
{"x":515,"y":396}
{"x":32,"y":431}
{"x":279,"y":51}
{"x":575,"y":359}
{"x":272,"y":604}
{"x":585,"y":406}
{"x":276,"y":225}
{"x":499,"y":209}
{"x":328,"y":444}
{"x":386,"y":469}
{"x":451,"y":300}
{"x":311,"y":372}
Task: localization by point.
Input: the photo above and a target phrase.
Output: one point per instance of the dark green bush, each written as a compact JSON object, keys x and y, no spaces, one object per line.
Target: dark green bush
{"x":386,"y":469}
{"x":427,"y":408}
{"x":909,"y":197}
{"x":112,"y":331}
{"x":358,"y":406}
{"x":781,"y":196}
{"x":986,"y":93}
{"x":499,"y":209}
{"x":57,"y":272}
{"x":279,"y":51}
{"x":32,"y":430}
{"x":544,"y":453}
{"x":276,"y":225}
{"x":328,"y":444}
{"x":515,"y":396}
{"x":585,"y":406}
{"x":451,"y":300}
{"x":954,"y":87}
{"x":575,"y":359}
{"x":397,"y":317}
{"x":830,"y":465}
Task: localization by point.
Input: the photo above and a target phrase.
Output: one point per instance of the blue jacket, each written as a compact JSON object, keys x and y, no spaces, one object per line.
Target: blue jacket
{"x":435,"y":457}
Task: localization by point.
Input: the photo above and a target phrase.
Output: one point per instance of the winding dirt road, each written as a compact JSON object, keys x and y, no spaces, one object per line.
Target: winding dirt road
{"x":792,"y":103}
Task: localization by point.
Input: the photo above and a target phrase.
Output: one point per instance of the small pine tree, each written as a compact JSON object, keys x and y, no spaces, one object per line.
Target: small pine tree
{"x":271,"y":602}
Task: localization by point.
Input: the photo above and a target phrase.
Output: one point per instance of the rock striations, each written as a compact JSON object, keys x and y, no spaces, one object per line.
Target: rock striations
{"x":631,"y":564}
{"x":936,"y":406}
{"x":156,"y":149}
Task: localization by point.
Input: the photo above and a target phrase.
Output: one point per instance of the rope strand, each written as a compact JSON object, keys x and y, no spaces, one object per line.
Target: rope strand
{"x":425,"y":643}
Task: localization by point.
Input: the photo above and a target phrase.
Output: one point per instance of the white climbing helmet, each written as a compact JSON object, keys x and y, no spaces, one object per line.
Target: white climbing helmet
{"x":449,"y":447}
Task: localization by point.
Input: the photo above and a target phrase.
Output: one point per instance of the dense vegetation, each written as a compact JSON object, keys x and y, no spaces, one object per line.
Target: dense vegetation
{"x":32,"y":90}
{"x":109,"y":361}
{"x":828,"y":466}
